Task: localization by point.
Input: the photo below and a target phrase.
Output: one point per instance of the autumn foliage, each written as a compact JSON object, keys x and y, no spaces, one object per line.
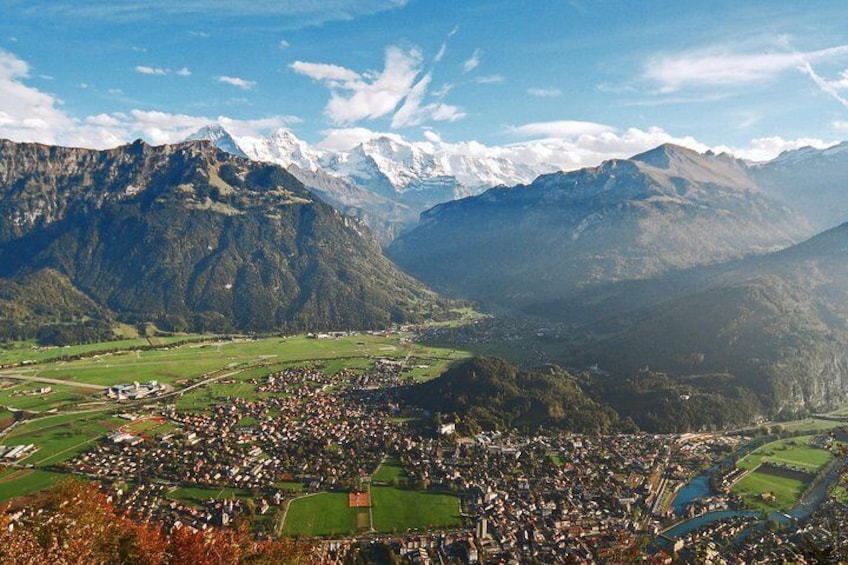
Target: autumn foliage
{"x":74,"y":524}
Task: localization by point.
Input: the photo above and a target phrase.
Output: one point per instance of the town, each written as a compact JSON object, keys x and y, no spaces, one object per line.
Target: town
{"x":328,"y":452}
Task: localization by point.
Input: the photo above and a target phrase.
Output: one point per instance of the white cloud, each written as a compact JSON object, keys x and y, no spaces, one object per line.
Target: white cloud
{"x":830,"y":88}
{"x":490,"y":79}
{"x":324,"y":71}
{"x":839,"y":125}
{"x":283,"y":44}
{"x":544,"y":92}
{"x":28,"y":114}
{"x":719,"y":66}
{"x":413,"y":112}
{"x":472,"y":62}
{"x":443,"y":49}
{"x":355,"y":97}
{"x":399,"y":90}
{"x":766,"y":148}
{"x":237,"y":82}
{"x":184,"y":72}
{"x":145,"y":70}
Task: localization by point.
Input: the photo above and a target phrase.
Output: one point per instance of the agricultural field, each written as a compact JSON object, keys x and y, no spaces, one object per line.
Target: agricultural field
{"x":399,"y":510}
{"x":811,"y":425}
{"x":189,"y":361}
{"x":794,"y":451}
{"x":783,"y":489}
{"x":23,"y":396}
{"x":21,"y":482}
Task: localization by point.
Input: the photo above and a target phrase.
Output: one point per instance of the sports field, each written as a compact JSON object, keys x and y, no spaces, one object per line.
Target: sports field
{"x":393,"y":510}
{"x":322,"y":514}
{"x":399,"y":510}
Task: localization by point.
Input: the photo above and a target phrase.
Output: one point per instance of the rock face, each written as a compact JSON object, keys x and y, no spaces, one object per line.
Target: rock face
{"x":668,"y":209}
{"x":192,"y":237}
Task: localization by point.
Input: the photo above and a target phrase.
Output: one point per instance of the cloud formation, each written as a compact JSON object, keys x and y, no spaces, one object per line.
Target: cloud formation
{"x":399,"y":90}
{"x":237,"y":82}
{"x":28,"y":114}
{"x":472,"y":62}
{"x":146,"y":70}
{"x":719,"y":66}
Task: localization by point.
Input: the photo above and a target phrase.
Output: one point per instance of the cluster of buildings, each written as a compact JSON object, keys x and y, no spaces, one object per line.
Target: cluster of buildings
{"x":10,"y":453}
{"x":563,"y":498}
{"x":134,"y":391}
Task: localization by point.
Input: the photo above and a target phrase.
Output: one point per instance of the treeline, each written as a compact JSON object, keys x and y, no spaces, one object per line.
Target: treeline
{"x":56,"y":333}
{"x":489,"y":393}
{"x":659,"y":403}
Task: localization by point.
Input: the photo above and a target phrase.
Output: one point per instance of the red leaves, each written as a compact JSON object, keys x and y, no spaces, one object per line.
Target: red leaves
{"x":73,"y":524}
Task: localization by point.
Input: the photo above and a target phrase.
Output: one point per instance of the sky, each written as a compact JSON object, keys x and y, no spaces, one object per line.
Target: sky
{"x":568,"y":82}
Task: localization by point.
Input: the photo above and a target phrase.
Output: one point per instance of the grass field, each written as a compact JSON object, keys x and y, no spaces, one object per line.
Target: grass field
{"x":792,"y":452}
{"x":29,"y":351}
{"x":20,"y":482}
{"x":786,"y":491}
{"x":59,"y":397}
{"x":811,"y":425}
{"x":399,"y":510}
{"x":389,"y":470}
{"x":321,"y":515}
{"x":192,"y":360}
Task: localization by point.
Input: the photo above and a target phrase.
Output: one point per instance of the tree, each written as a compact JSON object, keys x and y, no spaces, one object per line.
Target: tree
{"x":74,"y":524}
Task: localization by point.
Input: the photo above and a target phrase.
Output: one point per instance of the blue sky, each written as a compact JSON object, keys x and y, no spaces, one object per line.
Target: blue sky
{"x":597,"y":78}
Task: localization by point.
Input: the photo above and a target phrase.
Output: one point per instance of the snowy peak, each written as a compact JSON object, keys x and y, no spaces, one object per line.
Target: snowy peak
{"x":284,"y":148}
{"x":219,"y":137}
{"x":808,"y":153}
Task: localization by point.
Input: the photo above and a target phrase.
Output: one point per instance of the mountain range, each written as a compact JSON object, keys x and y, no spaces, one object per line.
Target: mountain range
{"x":700,"y":275}
{"x":667,"y":209}
{"x":385,"y":181}
{"x":189,"y":237}
{"x":696,"y":266}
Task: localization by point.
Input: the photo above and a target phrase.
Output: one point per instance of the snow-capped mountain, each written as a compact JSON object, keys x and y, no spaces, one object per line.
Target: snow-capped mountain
{"x":385,"y":181}
{"x":284,"y":148}
{"x":218,"y":136}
